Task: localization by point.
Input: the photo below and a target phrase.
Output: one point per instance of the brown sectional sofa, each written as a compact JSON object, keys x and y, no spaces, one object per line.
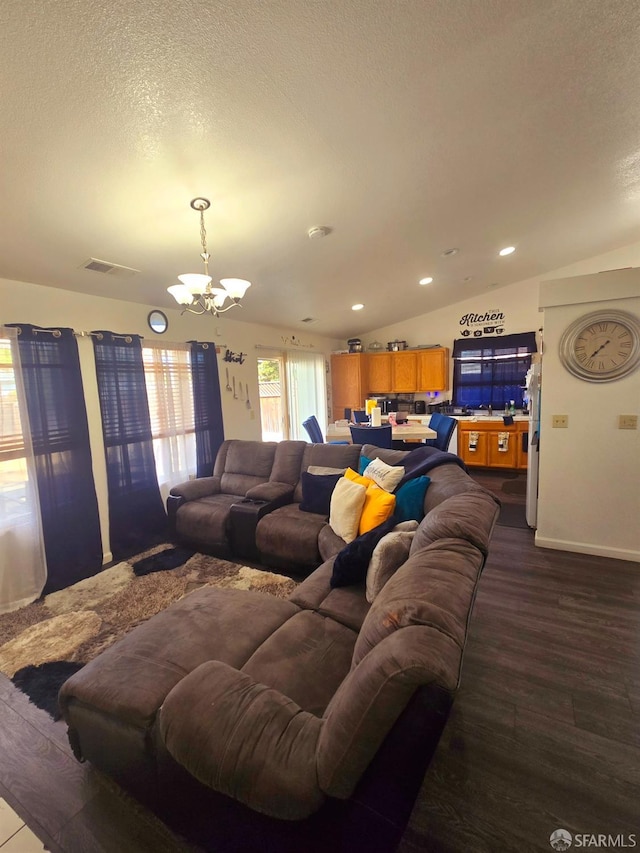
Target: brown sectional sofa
{"x":251,"y":723}
{"x":270,"y":526}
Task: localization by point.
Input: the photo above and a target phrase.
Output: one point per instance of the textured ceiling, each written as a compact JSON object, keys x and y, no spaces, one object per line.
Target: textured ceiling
{"x":406,"y":126}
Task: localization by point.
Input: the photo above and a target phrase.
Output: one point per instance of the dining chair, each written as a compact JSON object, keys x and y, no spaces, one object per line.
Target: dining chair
{"x":444,"y":426}
{"x":360,"y":416}
{"x":315,"y":433}
{"x":380,"y":436}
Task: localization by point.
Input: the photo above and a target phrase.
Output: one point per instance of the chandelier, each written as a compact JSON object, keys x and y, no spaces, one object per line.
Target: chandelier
{"x":195,"y":293}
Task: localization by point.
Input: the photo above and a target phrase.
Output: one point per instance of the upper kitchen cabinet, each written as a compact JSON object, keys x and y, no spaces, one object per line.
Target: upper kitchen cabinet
{"x":433,"y":369}
{"x":404,"y":372}
{"x":379,"y":367}
{"x":349,"y":383}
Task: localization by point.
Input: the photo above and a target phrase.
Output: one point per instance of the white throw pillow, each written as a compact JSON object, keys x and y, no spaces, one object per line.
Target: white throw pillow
{"x":388,"y":555}
{"x":347,"y":501}
{"x":385,"y":476}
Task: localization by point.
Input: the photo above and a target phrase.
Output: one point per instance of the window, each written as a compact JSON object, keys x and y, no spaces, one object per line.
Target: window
{"x":167,"y":372}
{"x":491,"y":371}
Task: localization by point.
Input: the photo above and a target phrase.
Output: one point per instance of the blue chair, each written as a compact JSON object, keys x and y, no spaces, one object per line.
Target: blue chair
{"x":380,"y":436}
{"x":315,"y":433}
{"x":360,"y":416}
{"x":444,"y":426}
{"x":347,"y":414}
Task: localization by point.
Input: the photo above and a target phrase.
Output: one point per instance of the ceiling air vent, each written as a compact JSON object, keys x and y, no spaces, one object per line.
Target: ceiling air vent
{"x":308,"y":320}
{"x":116,"y":270}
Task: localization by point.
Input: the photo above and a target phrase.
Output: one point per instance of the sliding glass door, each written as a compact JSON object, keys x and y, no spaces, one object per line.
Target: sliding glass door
{"x":292,"y":386}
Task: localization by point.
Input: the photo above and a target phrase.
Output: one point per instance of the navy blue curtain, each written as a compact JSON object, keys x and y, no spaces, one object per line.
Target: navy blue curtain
{"x":60,"y":437}
{"x":207,"y":405}
{"x":137,"y":519}
{"x":491,"y":371}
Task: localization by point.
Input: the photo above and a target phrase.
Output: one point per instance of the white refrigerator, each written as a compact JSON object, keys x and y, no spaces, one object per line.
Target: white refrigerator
{"x":533,"y":384}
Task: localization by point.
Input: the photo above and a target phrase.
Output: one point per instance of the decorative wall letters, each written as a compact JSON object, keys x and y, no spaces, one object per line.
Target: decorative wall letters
{"x":235,"y":357}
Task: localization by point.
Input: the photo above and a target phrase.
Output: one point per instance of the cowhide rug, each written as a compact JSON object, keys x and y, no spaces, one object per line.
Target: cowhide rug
{"x":42,"y":644}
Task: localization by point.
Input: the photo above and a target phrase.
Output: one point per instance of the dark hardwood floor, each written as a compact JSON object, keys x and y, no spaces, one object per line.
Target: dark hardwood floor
{"x":545,"y":732}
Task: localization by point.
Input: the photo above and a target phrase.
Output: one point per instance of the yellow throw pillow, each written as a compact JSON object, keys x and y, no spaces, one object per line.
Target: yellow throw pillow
{"x":378,"y":504}
{"x":350,"y":474}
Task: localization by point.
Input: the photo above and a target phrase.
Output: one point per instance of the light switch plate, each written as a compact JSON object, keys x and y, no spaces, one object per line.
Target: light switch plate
{"x":627,"y":422}
{"x":559,"y":421}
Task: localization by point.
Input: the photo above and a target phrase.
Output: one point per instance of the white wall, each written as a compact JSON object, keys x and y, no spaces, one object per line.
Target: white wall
{"x":22,"y":302}
{"x":589,"y":487}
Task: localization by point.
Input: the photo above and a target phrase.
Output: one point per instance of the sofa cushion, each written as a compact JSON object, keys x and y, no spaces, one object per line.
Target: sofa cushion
{"x":316,"y":492}
{"x":434,"y":587}
{"x":288,"y":537}
{"x":247,"y":464}
{"x":347,"y":501}
{"x":468,"y":516}
{"x":306,"y":659}
{"x":206,"y":520}
{"x":329,"y":543}
{"x":327,"y":455}
{"x":347,"y":604}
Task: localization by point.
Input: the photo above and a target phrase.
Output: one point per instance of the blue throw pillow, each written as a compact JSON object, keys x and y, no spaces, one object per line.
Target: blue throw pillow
{"x":351,"y":564}
{"x":316,"y":492}
{"x":363,"y":464}
{"x":410,"y":500}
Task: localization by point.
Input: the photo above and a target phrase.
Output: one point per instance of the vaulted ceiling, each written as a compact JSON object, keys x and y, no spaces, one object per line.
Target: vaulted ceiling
{"x":407,"y":127}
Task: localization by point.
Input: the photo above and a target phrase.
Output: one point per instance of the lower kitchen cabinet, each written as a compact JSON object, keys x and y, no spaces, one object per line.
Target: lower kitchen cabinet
{"x":491,"y":444}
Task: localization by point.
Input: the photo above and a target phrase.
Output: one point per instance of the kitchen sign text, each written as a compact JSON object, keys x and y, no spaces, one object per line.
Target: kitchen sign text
{"x":489,"y":323}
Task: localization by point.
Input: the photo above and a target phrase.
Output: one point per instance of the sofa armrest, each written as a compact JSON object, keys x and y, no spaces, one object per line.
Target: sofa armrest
{"x":201,"y":487}
{"x":277,"y":494}
{"x":245,"y":740}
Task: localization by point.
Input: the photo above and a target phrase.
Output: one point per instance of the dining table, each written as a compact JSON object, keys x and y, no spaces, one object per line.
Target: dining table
{"x":411,"y":431}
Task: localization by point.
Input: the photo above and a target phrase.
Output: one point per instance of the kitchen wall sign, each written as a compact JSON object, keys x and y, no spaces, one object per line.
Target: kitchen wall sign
{"x":489,"y":323}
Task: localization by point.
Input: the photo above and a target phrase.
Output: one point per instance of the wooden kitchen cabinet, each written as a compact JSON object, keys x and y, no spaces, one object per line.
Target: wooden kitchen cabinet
{"x":433,"y":369}
{"x":379,"y":371}
{"x":404,"y":372}
{"x":349,"y":382}
{"x":491,"y":450}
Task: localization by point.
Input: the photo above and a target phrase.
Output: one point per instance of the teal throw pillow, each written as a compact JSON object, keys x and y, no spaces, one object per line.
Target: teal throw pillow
{"x":363,"y":464}
{"x":410,"y":499}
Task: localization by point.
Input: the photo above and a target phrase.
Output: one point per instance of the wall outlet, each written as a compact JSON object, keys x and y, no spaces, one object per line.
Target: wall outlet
{"x":560,"y":421}
{"x":627,"y":422}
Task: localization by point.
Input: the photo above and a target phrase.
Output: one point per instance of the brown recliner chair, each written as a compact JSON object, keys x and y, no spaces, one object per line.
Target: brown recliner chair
{"x":261,"y":474}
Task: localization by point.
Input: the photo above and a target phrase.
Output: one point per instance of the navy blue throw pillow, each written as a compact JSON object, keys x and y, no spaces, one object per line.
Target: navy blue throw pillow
{"x":316,"y":492}
{"x":351,"y":564}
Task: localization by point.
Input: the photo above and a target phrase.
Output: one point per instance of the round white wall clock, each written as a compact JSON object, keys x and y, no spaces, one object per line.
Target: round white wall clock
{"x":601,"y":346}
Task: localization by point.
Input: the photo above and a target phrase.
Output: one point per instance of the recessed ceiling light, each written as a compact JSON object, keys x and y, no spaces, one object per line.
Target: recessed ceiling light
{"x":426,"y":280}
{"x":508,"y":251}
{"x":449,"y":252}
{"x":357,"y":307}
